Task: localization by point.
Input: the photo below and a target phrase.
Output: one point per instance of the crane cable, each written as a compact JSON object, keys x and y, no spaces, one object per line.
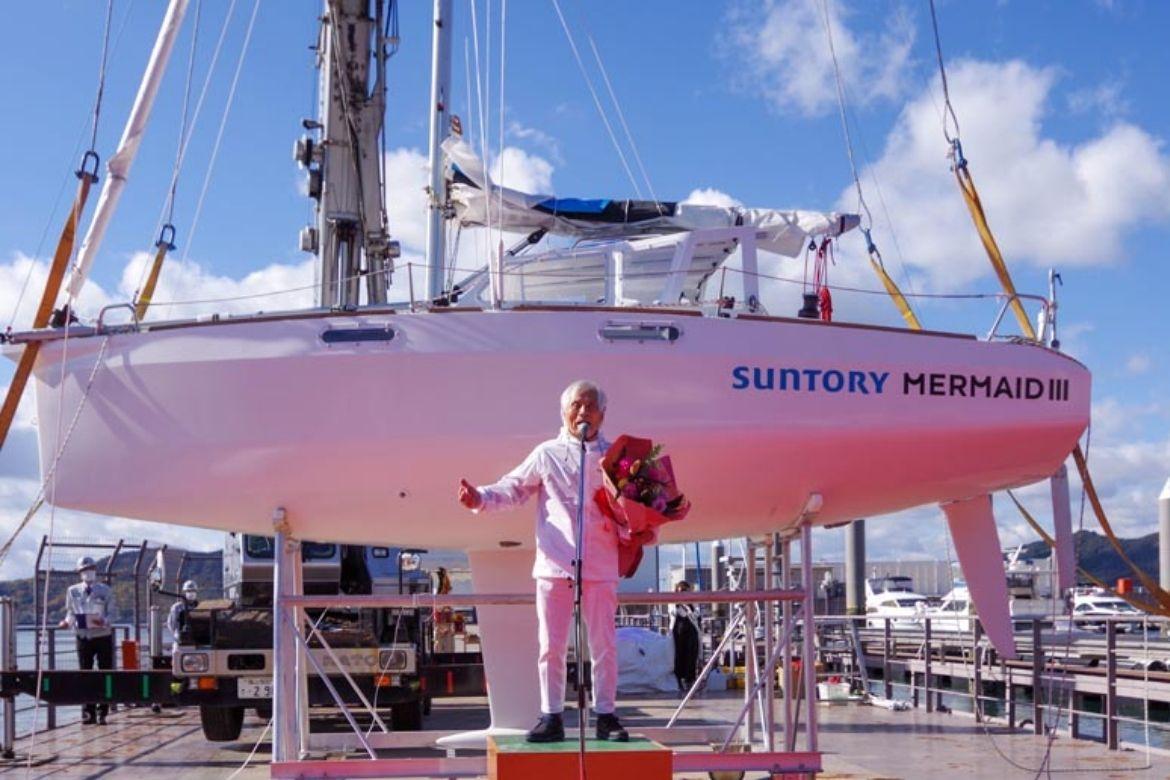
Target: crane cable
{"x":875,"y":257}
{"x":166,"y":237}
{"x":975,"y":207}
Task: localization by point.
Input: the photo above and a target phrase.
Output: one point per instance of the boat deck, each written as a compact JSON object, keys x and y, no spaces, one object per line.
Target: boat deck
{"x":859,"y":742}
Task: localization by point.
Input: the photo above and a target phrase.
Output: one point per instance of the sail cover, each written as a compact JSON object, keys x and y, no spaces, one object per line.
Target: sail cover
{"x":477,"y":200}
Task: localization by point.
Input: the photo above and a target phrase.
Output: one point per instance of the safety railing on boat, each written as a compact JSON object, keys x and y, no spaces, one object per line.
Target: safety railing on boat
{"x":680,"y":285}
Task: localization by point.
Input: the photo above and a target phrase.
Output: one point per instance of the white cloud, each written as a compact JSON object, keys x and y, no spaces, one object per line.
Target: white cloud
{"x":1138,"y":363}
{"x":781,"y":53}
{"x":186,"y":289}
{"x":522,"y":171}
{"x":20,"y":300}
{"x":709,"y":196}
{"x":1047,"y":202}
{"x":407,"y":176}
{"x":538,"y":138}
{"x":1106,"y":99}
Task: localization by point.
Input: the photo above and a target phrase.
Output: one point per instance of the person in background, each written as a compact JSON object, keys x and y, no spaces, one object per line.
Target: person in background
{"x":684,"y":628}
{"x":89,"y":605}
{"x":177,"y":617}
{"x":550,"y":474}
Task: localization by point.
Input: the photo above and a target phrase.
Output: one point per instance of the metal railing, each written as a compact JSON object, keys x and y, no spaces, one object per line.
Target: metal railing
{"x":1067,"y":678}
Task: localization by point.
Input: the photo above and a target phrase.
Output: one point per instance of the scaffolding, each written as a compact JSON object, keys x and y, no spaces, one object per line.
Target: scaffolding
{"x":292,"y":739}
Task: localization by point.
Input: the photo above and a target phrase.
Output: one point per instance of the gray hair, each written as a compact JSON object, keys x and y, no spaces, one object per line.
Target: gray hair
{"x":578,"y":387}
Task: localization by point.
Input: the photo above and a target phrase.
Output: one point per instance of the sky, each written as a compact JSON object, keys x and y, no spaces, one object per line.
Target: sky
{"x":1063,"y":115}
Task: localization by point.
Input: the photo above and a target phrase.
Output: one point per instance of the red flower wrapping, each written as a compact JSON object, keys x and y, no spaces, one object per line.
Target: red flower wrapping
{"x":640,"y":494}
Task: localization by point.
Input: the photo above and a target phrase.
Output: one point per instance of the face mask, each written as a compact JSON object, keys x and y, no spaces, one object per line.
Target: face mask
{"x":89,"y":576}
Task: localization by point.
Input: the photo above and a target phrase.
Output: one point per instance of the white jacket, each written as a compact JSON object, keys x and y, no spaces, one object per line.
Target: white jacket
{"x":84,"y":602}
{"x":550,"y":472}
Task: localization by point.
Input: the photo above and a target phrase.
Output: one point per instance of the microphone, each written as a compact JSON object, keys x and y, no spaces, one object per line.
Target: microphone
{"x":582,"y":429}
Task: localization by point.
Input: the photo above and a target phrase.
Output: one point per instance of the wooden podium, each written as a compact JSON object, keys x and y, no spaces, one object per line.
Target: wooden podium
{"x":512,"y":758}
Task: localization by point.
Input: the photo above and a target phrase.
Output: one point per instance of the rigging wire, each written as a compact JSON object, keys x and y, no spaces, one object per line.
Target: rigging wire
{"x":222,"y":125}
{"x":101,"y":87}
{"x":622,"y":118}
{"x":861,"y":204}
{"x":485,"y":239}
{"x":77,"y":146}
{"x":949,"y":110}
{"x":186,"y":110}
{"x":596,"y":101}
{"x":500,"y":189}
{"x":186,"y":141}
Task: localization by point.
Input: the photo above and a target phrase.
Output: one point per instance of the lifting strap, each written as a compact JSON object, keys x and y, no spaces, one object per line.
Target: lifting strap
{"x":165,"y":243}
{"x":975,"y":206}
{"x":87,"y":176}
{"x":879,"y":268}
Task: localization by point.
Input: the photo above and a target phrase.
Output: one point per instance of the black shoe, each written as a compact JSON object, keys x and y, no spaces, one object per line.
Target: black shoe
{"x":608,"y":728}
{"x":550,"y":728}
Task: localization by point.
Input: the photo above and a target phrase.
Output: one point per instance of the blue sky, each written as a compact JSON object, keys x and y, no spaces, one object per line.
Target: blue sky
{"x":1062,"y":104}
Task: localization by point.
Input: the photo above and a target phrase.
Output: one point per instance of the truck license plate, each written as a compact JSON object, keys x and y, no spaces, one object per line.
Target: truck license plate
{"x":254,"y":688}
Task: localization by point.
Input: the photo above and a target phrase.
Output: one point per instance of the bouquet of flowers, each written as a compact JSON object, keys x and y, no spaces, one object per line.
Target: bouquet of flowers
{"x":640,"y":494}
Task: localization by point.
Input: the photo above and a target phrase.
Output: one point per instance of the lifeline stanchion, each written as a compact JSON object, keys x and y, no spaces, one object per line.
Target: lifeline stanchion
{"x":577,"y":587}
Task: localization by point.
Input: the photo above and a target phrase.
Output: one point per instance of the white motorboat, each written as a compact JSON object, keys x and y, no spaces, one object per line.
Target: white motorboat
{"x":892,"y":599}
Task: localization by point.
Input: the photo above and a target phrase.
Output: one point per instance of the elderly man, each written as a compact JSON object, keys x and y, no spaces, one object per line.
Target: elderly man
{"x":551,"y":473}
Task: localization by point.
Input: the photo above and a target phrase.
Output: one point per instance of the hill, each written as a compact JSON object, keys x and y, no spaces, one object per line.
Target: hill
{"x":1096,"y":555}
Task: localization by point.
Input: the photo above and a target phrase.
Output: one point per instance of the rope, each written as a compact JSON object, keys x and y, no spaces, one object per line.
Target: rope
{"x":40,"y":497}
{"x":222,"y":125}
{"x":596,"y":102}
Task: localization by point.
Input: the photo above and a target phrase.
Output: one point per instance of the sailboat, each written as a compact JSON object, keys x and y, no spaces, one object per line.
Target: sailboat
{"x":355,"y":419}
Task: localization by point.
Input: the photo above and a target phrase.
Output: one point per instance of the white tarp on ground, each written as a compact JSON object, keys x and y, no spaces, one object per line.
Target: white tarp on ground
{"x":645,"y":661}
{"x":783,"y":232}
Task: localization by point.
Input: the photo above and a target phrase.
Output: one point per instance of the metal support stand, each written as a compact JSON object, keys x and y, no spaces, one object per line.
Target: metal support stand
{"x":749,"y":634}
{"x":8,"y":664}
{"x":808,"y":660}
{"x":156,"y":634}
{"x":769,"y":646}
{"x":286,"y":731}
{"x":786,"y":620}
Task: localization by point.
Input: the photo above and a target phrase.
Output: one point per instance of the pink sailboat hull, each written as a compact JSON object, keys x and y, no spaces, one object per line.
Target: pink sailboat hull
{"x":215,"y":425}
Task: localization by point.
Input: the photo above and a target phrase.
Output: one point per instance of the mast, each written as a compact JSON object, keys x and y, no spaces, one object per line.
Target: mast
{"x":123,"y":159}
{"x":440,"y":125}
{"x":351,"y":237}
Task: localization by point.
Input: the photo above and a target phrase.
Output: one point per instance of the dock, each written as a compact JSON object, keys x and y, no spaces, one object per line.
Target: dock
{"x":859,"y":742}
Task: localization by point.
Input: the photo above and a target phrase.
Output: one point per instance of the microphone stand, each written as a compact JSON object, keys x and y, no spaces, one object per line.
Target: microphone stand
{"x":582,"y":429}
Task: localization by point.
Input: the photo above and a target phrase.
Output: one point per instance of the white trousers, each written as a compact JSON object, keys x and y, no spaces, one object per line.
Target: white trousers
{"x":554,"y":610}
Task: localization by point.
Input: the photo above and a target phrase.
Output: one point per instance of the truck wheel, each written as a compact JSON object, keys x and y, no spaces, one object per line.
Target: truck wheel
{"x":407,"y":716}
{"x":221,"y":724}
